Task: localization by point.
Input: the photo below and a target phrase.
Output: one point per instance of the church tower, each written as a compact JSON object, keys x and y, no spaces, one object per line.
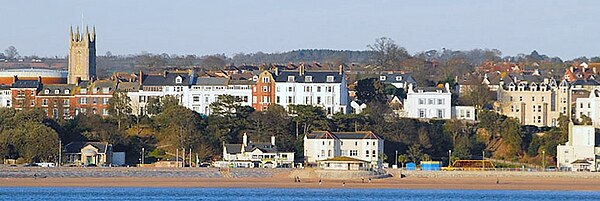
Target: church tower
{"x":82,"y":55}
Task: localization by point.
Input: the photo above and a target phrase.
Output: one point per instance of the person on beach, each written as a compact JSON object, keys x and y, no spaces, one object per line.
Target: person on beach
{"x":343,"y":183}
{"x":362,"y":179}
{"x":369,"y":180}
{"x":319,"y":182}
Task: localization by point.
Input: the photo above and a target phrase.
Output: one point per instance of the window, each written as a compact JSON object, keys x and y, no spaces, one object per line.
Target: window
{"x":330,"y":78}
{"x":82,"y":100}
{"x":520,"y":98}
{"x":46,"y":91}
{"x":430,"y":101}
{"x":329,"y":89}
{"x":83,"y":91}
{"x":44,"y":102}
{"x":510,"y":98}
{"x":542,"y":99}
{"x":533,"y":98}
{"x":318,"y":99}
{"x":106,"y":90}
{"x":512,"y":108}
{"x":318,"y":88}
{"x":66,"y":112}
{"x":539,"y":108}
{"x":66,"y":102}
{"x":290,"y":79}
{"x":254,"y":99}
{"x":278,"y":99}
{"x":468,"y":114}
{"x":290,"y":99}
{"x":329,"y":153}
{"x":382,"y":78}
{"x":440,"y":101}
{"x":94,"y":100}
{"x":366,"y":153}
{"x":178,"y":80}
{"x":589,"y":105}
{"x":265,"y":89}
{"x":440,"y":113}
{"x":533,"y":108}
{"x":67,"y":91}
{"x":421,"y":113}
{"x":196,"y":98}
{"x":105,"y":101}
{"x":421,"y":101}
{"x":353,"y":152}
{"x":266,"y":79}
{"x":308,"y":79}
{"x":398,"y":78}
{"x":307,"y":88}
{"x":278,"y":90}
{"x":290,"y":89}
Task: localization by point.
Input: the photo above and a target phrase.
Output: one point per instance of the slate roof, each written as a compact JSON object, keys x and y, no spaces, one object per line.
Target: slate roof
{"x":60,"y":87}
{"x":233,"y":148}
{"x":75,"y":147}
{"x":317,"y":76}
{"x":26,"y":84}
{"x":237,"y":148}
{"x":589,"y":82}
{"x":391,"y":78}
{"x":128,"y":86}
{"x":343,"y":135}
{"x":167,"y":79}
{"x":210,"y":81}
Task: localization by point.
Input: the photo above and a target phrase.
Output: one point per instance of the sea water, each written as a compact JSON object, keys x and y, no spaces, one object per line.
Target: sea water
{"x":250,"y":194}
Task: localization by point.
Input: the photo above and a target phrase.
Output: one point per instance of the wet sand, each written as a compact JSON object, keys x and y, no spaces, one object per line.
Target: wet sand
{"x":284,"y":181}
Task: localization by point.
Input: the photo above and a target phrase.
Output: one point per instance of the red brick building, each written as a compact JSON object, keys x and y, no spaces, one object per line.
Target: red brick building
{"x":263,"y":92}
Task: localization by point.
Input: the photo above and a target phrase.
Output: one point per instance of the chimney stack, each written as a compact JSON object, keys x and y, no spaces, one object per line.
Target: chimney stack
{"x":341,"y":69}
{"x":40,"y":79}
{"x":245,"y":140}
{"x":15,"y":78}
{"x":273,"y":140}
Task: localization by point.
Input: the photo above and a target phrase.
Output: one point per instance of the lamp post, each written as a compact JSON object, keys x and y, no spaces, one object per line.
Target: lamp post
{"x":449,"y":158}
{"x":59,"y":152}
{"x":396,"y":158}
{"x":483,"y":160}
{"x":143,"y":155}
{"x":543,"y":160}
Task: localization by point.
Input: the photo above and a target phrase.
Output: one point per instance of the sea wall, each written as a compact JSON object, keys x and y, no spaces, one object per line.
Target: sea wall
{"x":499,"y":174}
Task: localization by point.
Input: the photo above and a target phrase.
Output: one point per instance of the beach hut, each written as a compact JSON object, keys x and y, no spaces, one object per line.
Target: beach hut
{"x":431,"y":165}
{"x":411,"y":166}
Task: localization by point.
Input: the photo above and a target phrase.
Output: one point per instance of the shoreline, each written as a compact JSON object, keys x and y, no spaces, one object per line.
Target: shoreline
{"x":284,"y":178}
{"x":510,"y":183}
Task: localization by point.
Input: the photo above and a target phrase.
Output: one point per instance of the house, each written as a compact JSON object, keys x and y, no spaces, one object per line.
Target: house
{"x":398,"y":80}
{"x":580,"y":151}
{"x":343,"y":149}
{"x":534,"y":100}
{"x":326,"y":89}
{"x":589,"y":107}
{"x":87,"y":153}
{"x":464,"y":113}
{"x":357,"y":106}
{"x":5,"y":96}
{"x":254,"y":155}
{"x":428,"y":102}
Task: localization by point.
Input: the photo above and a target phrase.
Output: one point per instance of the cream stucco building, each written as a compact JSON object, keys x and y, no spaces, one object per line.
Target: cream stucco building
{"x":328,"y":146}
{"x":580,"y":153}
{"x":87,"y":153}
{"x":534,"y":100}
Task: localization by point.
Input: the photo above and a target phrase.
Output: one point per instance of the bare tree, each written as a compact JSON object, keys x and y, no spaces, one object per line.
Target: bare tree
{"x":11,"y":52}
{"x":387,"y":54}
{"x":213,"y":62}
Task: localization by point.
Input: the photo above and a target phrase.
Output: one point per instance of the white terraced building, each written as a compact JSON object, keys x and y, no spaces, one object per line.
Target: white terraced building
{"x":326,"y":89}
{"x":362,"y":145}
{"x":428,"y":102}
{"x":205,"y":91}
{"x":589,"y":107}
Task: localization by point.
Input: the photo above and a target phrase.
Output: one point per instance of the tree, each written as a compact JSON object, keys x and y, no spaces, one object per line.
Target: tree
{"x":119,"y":107}
{"x":414,"y":153}
{"x":387,"y":54}
{"x":585,"y":120}
{"x":11,"y":52}
{"x":157,"y":105}
{"x":479,"y":95}
{"x":213,"y":62}
{"x":309,"y":116}
{"x":370,"y":90}
{"x":402,"y":158}
{"x":181,"y":127}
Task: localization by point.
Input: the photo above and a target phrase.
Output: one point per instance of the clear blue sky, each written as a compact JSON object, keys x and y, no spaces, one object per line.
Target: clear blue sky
{"x":557,"y":28}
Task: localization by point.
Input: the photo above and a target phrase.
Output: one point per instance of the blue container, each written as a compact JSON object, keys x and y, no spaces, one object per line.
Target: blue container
{"x":411,"y":166}
{"x":431,"y":165}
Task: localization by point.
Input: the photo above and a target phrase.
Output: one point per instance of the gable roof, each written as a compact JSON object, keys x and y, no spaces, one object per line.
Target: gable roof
{"x":343,"y":135}
{"x":167,"y":79}
{"x":317,"y":76}
{"x":26,"y":84}
{"x":75,"y":147}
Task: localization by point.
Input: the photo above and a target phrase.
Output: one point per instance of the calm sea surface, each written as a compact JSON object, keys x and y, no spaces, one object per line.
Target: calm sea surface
{"x":35,"y":193}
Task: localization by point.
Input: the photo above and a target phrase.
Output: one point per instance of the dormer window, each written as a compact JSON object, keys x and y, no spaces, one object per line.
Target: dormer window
{"x":83,"y":91}
{"x":330,"y":78}
{"x":46,"y":91}
{"x":178,"y":80}
{"x":95,"y":90}
{"x":266,"y":80}
{"x":398,"y":78}
{"x":106,"y":90}
{"x":56,"y":91}
{"x":382,"y":78}
{"x":67,"y":91}
{"x":290,"y":78}
{"x":308,"y":79}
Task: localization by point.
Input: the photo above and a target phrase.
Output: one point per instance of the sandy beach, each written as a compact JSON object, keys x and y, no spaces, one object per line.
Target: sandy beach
{"x":248,"y":178}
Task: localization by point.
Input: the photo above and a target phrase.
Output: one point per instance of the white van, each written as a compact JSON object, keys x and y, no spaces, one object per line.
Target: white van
{"x":46,"y":164}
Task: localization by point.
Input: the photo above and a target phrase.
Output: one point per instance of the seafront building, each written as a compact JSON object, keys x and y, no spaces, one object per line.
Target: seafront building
{"x":428,"y":102}
{"x":361,"y":147}
{"x":580,"y":153}
{"x":255,"y":155}
{"x":87,"y":154}
{"x":589,"y":107}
